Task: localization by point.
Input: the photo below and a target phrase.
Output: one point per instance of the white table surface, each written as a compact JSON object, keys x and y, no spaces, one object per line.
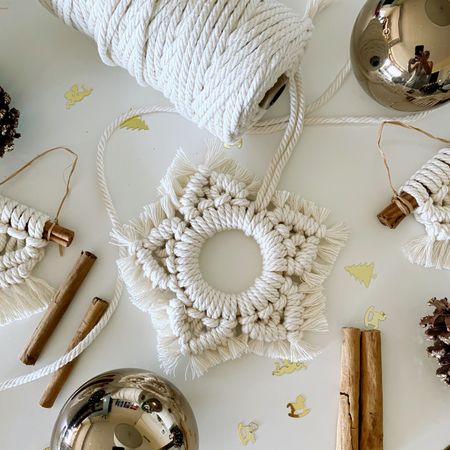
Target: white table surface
{"x":336,"y":167}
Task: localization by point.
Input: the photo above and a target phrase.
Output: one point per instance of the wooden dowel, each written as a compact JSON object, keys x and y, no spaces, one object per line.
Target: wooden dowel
{"x":347,"y":436}
{"x":392,"y":215}
{"x":93,"y":315}
{"x":371,"y":401}
{"x":59,"y":235}
{"x":57,"y":308}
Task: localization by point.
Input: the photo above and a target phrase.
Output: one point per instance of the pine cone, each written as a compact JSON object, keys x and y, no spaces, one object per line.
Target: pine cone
{"x":438,"y":330}
{"x":9,"y":119}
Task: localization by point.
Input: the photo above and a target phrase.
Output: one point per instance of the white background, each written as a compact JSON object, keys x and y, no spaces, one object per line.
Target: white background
{"x":40,"y":58}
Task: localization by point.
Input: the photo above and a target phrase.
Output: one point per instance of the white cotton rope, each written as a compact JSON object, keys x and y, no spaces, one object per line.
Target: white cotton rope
{"x":214,"y":60}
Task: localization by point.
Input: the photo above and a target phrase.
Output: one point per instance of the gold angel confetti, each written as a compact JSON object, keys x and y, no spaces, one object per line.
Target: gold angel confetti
{"x":298,"y":408}
{"x":134,"y":123}
{"x":286,"y":367}
{"x":364,"y":273}
{"x":246,"y":433}
{"x":76,"y":94}
{"x":236,"y":144}
{"x":372,"y":318}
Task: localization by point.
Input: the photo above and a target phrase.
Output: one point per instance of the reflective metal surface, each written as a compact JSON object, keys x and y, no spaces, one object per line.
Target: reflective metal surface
{"x":123,"y":410}
{"x":400,"y":52}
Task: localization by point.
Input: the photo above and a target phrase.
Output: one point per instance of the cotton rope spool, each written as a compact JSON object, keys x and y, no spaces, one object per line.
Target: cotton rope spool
{"x":221,"y":63}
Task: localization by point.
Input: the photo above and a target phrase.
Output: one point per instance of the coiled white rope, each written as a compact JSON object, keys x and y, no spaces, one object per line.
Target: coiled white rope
{"x":214,"y":60}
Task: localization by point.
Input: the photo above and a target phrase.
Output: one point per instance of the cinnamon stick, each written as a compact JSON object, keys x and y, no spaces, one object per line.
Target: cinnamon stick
{"x":371,"y":411}
{"x":57,"y":308}
{"x":93,"y":315}
{"x":347,"y":437}
{"x":59,"y":235}
{"x":392,"y":215}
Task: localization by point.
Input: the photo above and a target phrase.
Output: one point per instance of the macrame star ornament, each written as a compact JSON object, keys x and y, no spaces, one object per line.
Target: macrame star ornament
{"x":22,"y":246}
{"x":194,"y":320}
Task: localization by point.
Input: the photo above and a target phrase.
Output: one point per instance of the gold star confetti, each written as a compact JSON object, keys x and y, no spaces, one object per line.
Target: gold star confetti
{"x":362,"y":272}
{"x":246,"y":433}
{"x":372,"y":318}
{"x":134,"y":123}
{"x":298,"y":408}
{"x":286,"y":367}
{"x":75,"y":95}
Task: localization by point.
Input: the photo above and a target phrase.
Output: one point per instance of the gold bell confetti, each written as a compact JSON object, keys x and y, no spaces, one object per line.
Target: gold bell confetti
{"x":246,"y":433}
{"x":372,"y":318}
{"x":76,"y":94}
{"x":298,"y":408}
{"x":286,"y":367}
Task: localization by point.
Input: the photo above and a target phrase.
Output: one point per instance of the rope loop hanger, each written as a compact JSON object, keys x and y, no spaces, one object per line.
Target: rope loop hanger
{"x":24,"y":235}
{"x":426,"y":194}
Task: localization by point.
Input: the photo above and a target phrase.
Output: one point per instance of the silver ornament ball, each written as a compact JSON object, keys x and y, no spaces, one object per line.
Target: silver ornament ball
{"x":400,"y":52}
{"x":126,"y":409}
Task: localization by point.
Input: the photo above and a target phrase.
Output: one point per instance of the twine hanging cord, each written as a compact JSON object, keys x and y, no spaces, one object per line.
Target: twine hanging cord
{"x":72,"y":167}
{"x":402,"y":203}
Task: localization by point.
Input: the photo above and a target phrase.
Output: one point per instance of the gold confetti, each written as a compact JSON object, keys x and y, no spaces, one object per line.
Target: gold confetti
{"x":298,"y":408}
{"x":372,"y":318}
{"x":287,"y":367}
{"x":362,"y":272}
{"x":246,"y":433}
{"x":236,"y":144}
{"x":134,"y":123}
{"x":76,"y":95}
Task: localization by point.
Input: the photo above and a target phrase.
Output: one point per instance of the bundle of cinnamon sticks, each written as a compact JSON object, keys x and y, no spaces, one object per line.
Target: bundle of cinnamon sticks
{"x":360,"y":419}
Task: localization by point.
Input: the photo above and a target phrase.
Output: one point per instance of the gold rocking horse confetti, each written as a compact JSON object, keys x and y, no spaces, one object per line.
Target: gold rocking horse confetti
{"x":372,"y":318}
{"x":298,"y":408}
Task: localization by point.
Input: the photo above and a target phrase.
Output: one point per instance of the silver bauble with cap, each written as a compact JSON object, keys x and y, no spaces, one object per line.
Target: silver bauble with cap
{"x":126,"y":409}
{"x":400,"y":51}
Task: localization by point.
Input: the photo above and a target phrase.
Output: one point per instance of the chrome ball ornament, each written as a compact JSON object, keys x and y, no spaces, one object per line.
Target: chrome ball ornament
{"x":126,"y":409}
{"x":400,"y":52}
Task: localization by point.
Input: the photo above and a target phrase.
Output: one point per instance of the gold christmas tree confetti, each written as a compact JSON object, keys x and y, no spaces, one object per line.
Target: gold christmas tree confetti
{"x":286,"y":367}
{"x":362,"y":272}
{"x":134,"y":123}
{"x":298,"y":408}
{"x":372,"y":318}
{"x":246,"y":433}
{"x":237,"y":144}
{"x":76,"y":94}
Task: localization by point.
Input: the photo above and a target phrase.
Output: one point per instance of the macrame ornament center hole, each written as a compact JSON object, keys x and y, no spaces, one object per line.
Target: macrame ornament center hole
{"x":230,"y":261}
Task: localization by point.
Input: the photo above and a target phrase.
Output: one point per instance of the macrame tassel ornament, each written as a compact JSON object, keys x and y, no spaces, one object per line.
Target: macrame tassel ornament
{"x":24,"y":235}
{"x":426,"y":194}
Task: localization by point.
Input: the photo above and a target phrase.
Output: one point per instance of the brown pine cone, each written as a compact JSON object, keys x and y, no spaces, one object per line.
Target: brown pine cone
{"x":9,"y":119}
{"x":438,"y":330}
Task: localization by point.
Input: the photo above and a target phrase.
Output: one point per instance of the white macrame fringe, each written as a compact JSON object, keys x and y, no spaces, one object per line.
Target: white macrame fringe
{"x":20,"y":301}
{"x":428,"y":252}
